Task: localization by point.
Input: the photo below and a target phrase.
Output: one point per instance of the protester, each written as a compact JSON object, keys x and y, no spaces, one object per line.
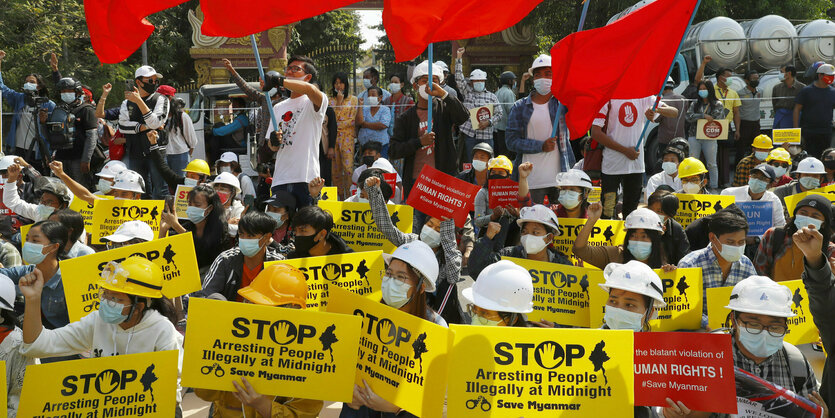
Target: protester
{"x":642,"y":242}
{"x":749,"y":116}
{"x":107,"y":176}
{"x":693,"y":176}
{"x":228,"y":188}
{"x":54,"y":196}
{"x":475,"y":97}
{"x":233,"y":134}
{"x":756,"y":190}
{"x":783,"y":95}
{"x":670,"y":128}
{"x":74,"y":148}
{"x":129,"y":233}
{"x":670,"y":161}
{"x":206,"y":222}
{"x":780,"y":160}
{"x":362,"y":196}
{"x":707,"y":107}
{"x":482,"y":153}
{"x":345,"y":106}
{"x":506,"y":96}
{"x":371,"y":78}
{"x":635,"y":296}
{"x":282,"y":207}
{"x":499,"y":168}
{"x":828,"y":159}
{"x":374,"y":120}
{"x":813,"y":111}
{"x":22,"y":131}
{"x":228,"y":162}
{"x":809,"y":173}
{"x":269,"y":96}
{"x":762,"y":148}
{"x":575,"y":187}
{"x":501,"y":296}
{"x":674,"y":240}
{"x":312,"y":228}
{"x":399,"y":102}
{"x":74,"y":223}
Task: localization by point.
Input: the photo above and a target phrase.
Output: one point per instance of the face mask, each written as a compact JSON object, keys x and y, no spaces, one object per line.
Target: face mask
{"x":669,"y":167}
{"x":195,"y":214}
{"x":272,"y":92}
{"x":479,"y":320}
{"x":30,"y":86}
{"x":430,"y":237}
{"x":362,"y":200}
{"x":44,"y":211}
{"x":801,"y":221}
{"x":373,"y":100}
{"x":395,"y":292}
{"x":569,"y":198}
{"x":760,"y":345}
{"x":33,"y":253}
{"x":368,"y":160}
{"x":366,"y":82}
{"x":795,"y":149}
{"x":225,"y":169}
{"x":479,"y":165}
{"x":757,"y":186}
{"x":190,"y":182}
{"x":103,"y":186}
{"x":305,"y":243}
{"x":542,"y":86}
{"x":761,"y":155}
{"x":781,"y":77}
{"x":754,"y":83}
{"x":150,"y":87}
{"x":828,"y":79}
{"x":732,"y":253}
{"x":278,"y":218}
{"x":111,"y":313}
{"x":422,"y":90}
{"x":810,"y":182}
{"x":249,"y":246}
{"x":394,"y":88}
{"x":691,"y":188}
{"x":514,"y":86}
{"x":703,"y":94}
{"x":640,"y":249}
{"x":533,"y":244}
{"x":478,"y":86}
{"x":617,"y":318}
{"x":68,"y":97}
{"x":779,"y":171}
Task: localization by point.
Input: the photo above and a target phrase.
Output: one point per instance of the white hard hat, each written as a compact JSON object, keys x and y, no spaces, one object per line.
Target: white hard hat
{"x":7,"y":161}
{"x":442,"y":65}
{"x":635,"y":277}
{"x":131,"y":230}
{"x":761,"y":295}
{"x":503,"y":286}
{"x":422,"y":69}
{"x":418,"y":255}
{"x":7,"y":293}
{"x":384,"y":164}
{"x":576,"y":178}
{"x":146,"y":71}
{"x":810,"y":165}
{"x":111,"y":169}
{"x":227,"y":157}
{"x":539,"y":214}
{"x":478,"y":75}
{"x":130,"y":181}
{"x":228,"y":179}
{"x":540,"y":62}
{"x":643,"y":218}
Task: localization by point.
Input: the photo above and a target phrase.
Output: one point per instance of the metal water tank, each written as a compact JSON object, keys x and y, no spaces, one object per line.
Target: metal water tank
{"x":816,"y":41}
{"x":721,"y":37}
{"x":629,"y":10}
{"x":772,"y":41}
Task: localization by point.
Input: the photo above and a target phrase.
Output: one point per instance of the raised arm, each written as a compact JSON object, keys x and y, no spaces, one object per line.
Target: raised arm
{"x":77,"y":189}
{"x":105,"y":91}
{"x":381,"y":216}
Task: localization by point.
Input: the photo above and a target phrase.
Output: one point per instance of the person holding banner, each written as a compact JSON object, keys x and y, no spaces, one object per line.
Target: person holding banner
{"x":482,"y":153}
{"x":205,"y":222}
{"x":54,"y":196}
{"x":674,"y":240}
{"x":74,"y":223}
{"x":476,"y":96}
{"x":781,"y":161}
{"x":635,"y":296}
{"x":810,"y":174}
{"x":500,"y":168}
{"x":709,"y":108}
{"x":691,"y":173}
{"x":574,"y":186}
{"x":312,"y":227}
{"x":501,"y":296}
{"x":759,"y":178}
{"x":670,"y":161}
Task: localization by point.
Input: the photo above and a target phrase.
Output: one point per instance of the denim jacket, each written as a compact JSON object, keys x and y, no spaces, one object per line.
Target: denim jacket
{"x":517,"y":132}
{"x":15,"y":100}
{"x":53,"y":304}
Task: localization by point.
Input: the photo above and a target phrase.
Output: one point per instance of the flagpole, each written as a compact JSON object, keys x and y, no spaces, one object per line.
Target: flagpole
{"x":560,"y":107}
{"x":261,"y":73}
{"x":429,"y":86}
{"x":669,"y":71}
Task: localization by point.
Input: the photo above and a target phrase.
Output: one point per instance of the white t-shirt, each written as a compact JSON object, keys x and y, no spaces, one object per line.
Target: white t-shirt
{"x":626,"y":122}
{"x":660,"y":179}
{"x":546,"y":164}
{"x":297,"y":159}
{"x":741,"y":195}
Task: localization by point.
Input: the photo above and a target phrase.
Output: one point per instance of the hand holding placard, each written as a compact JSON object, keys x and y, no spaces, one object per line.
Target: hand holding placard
{"x":440,"y":195}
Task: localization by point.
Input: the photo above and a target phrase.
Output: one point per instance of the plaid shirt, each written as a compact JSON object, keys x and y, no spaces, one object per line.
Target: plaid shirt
{"x":775,"y":369}
{"x":712,"y":273}
{"x":743,"y":169}
{"x":474,"y":99}
{"x":450,"y":265}
{"x":9,"y":255}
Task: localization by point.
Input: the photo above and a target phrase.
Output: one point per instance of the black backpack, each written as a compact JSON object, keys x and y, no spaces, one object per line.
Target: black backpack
{"x":60,"y":128}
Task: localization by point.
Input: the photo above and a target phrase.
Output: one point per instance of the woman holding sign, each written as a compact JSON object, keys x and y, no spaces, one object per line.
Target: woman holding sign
{"x":205,"y":222}
{"x":709,"y":108}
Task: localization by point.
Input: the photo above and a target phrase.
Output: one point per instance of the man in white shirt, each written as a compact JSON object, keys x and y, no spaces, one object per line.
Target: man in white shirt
{"x":669,"y":175}
{"x":759,"y":179}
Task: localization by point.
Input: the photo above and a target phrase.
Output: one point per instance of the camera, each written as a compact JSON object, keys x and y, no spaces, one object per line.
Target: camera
{"x":32,"y":99}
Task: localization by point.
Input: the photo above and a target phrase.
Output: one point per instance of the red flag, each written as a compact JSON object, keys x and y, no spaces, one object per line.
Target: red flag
{"x":625,"y":60}
{"x":118,"y":27}
{"x":412,"y":25}
{"x":244,"y":17}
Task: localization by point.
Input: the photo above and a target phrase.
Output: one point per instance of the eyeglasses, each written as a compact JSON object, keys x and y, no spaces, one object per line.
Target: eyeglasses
{"x":293,"y":69}
{"x":110,"y":300}
{"x":481,"y":313}
{"x":757,"y":328}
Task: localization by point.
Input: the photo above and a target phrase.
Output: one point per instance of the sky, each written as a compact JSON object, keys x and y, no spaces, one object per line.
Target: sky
{"x":370,"y":18}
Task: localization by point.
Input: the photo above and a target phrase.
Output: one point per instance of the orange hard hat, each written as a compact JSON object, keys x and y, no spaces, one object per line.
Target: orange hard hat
{"x":278,"y":284}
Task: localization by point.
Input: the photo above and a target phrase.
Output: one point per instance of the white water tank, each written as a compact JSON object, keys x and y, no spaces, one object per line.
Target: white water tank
{"x":816,"y":41}
{"x":779,"y":48}
{"x":628,"y":10}
{"x":721,"y":37}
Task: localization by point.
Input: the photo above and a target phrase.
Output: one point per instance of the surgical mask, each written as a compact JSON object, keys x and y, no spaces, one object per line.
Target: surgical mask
{"x":394,"y":88}
{"x":795,"y":149}
{"x":478,"y":86}
{"x":533,"y":244}
{"x":278,"y":218}
{"x":760,"y":345}
{"x":225,"y":169}
{"x":479,"y":165}
{"x":249,"y":246}
{"x":802,"y":221}
{"x":30,"y":86}
{"x":424,"y":92}
{"x":761,"y":155}
{"x":703,"y":94}
{"x":810,"y":182}
{"x":33,"y":253}
{"x":640,"y":249}
{"x":669,"y":167}
{"x":272,"y":92}
{"x":430,"y":237}
{"x":569,"y":198}
{"x":104,"y":186}
{"x":190,"y":182}
{"x":756,"y":186}
{"x":617,"y":318}
{"x":362,"y":200}
{"x":44,"y":211}
{"x":542,"y":86}
{"x":368,"y":160}
{"x":480,"y":320}
{"x":732,"y":253}
{"x":691,"y":188}
{"x":195,"y":214}
{"x":395,"y":292}
{"x":304,"y":243}
{"x":372,"y":100}
{"x":781,"y":76}
{"x":366,"y":82}
{"x":779,"y":171}
{"x":111,"y":313}
{"x":754,"y":83}
{"x":68,"y":97}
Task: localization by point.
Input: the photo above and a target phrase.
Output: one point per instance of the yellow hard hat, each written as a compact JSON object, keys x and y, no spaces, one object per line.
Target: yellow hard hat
{"x":763,"y":142}
{"x":198,"y":166}
{"x":500,"y":162}
{"x":135,"y":276}
{"x":278,"y":284}
{"x":779,"y":154}
{"x":691,"y":167}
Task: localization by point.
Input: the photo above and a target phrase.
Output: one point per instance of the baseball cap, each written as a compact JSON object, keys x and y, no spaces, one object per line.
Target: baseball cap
{"x":131,"y":230}
{"x":767,"y":170}
{"x":146,"y":71}
{"x":228,"y":157}
{"x":542,"y":61}
{"x":827,"y":69}
{"x":282,"y":199}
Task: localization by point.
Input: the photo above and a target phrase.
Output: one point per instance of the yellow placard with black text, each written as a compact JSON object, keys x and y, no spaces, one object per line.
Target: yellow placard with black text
{"x":560,"y":292}
{"x":86,"y":210}
{"x":682,"y":292}
{"x":793,"y":200}
{"x":514,"y":372}
{"x":174,"y":255}
{"x":281,"y":351}
{"x":801,"y":330}
{"x":24,"y":230}
{"x":402,"y":358}
{"x":108,"y":215}
{"x":181,"y":200}
{"x":330,"y":194}
{"x":361,"y":273}
{"x":354,"y":223}
{"x":696,"y":206}
{"x":781,"y":136}
{"x":605,"y":233}
{"x":130,"y":385}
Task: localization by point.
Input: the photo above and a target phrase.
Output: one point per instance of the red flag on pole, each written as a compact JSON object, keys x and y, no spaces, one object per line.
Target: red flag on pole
{"x":624,"y":60}
{"x":245,"y":17}
{"x":411,"y":25}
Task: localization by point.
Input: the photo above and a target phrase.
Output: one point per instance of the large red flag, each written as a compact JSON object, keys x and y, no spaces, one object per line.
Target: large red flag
{"x":244,"y":17}
{"x":625,"y":60}
{"x":412,"y":25}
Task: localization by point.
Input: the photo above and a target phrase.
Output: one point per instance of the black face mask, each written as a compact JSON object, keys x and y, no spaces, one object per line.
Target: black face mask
{"x":496,"y":177}
{"x":830,"y":164}
{"x":150,"y":87}
{"x":754,"y":83}
{"x":305,"y":243}
{"x":368,"y":160}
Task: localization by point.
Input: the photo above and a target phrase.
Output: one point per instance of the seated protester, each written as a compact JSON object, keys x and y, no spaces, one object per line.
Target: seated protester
{"x":635,"y":296}
{"x":670,"y":161}
{"x":809,"y":173}
{"x":133,"y":316}
{"x":265,"y":179}
{"x":281,"y":207}
{"x":54,"y":196}
{"x":127,"y":184}
{"x":11,"y":338}
{"x":778,"y":257}
{"x":196,"y":171}
{"x":758,"y":180}
{"x":9,"y":255}
{"x":539,"y":227}
{"x":369,"y":153}
{"x":698,"y":232}
{"x":282,"y":286}
{"x":482,"y":153}
{"x":107,"y":176}
{"x":228,"y":163}
{"x":499,"y":168}
{"x":438,"y":235}
{"x":411,"y":273}
{"x":385,"y":165}
{"x":642,"y":242}
{"x":237,"y":268}
{"x":828,"y":158}
{"x":501,"y":296}
{"x":674,"y":240}
{"x":361,"y":195}
{"x":723,"y":261}
{"x":761,"y":146}
{"x":781,"y":161}
{"x":312,"y":227}
{"x":228,"y":189}
{"x":129,"y":233}
{"x":574,"y":186}
{"x":693,"y":176}
{"x":74,"y":223}
{"x":206,"y":222}
{"x":233,"y":134}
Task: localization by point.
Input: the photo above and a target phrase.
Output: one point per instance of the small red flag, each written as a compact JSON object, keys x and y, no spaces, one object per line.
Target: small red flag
{"x":245,"y":17}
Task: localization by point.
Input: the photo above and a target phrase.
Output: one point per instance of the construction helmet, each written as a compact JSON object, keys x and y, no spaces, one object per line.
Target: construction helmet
{"x":643,"y":218}
{"x":691,"y":167}
{"x":541,"y":215}
{"x":500,"y":162}
{"x":483,"y":146}
{"x":278,"y":284}
{"x":681,"y":144}
{"x":503,"y":286}
{"x":761,"y":295}
{"x":779,"y":154}
{"x":198,"y":166}
{"x":228,"y":179}
{"x":7,"y":293}
{"x":135,"y":276}
{"x":810,"y":165}
{"x":762,"y":142}
{"x":419,"y":256}
{"x":573,"y":177}
{"x":7,"y":162}
{"x":111,"y":169}
{"x":130,"y":181}
{"x":636,"y":277}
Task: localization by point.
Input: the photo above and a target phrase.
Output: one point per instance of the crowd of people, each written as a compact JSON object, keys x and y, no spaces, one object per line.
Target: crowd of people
{"x":66,"y":145}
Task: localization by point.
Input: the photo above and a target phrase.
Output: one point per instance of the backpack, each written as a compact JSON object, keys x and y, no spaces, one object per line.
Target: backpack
{"x":797,"y":366}
{"x":60,"y":128}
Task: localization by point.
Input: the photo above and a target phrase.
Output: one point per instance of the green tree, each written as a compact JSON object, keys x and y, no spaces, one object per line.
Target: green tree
{"x":332,"y":39}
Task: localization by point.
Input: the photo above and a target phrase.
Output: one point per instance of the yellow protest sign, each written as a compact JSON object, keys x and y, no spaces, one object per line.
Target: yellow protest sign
{"x":682,"y":292}
{"x":3,"y":387}
{"x":175,"y":255}
{"x":181,"y":200}
{"x":361,"y":273}
{"x":24,"y":230}
{"x":330,"y":194}
{"x":792,"y":136}
{"x":402,"y":358}
{"x":560,"y":292}
{"x":695,"y":206}
{"x":85,"y":209}
{"x":280,"y":351}
{"x":594,"y":196}
{"x":354,"y":224}
{"x":131,"y":385}
{"x":513,"y":372}
{"x":802,"y":329}
{"x":793,"y":200}
{"x":605,"y":232}
{"x":108,"y":215}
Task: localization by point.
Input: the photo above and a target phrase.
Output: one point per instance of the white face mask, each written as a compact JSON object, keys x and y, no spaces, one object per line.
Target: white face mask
{"x":691,"y":188}
{"x":669,"y":167}
{"x":189,"y":182}
{"x":68,"y":97}
{"x":569,"y":198}
{"x":779,"y":171}
{"x":617,"y":318}
{"x":478,"y":86}
{"x":542,"y":86}
{"x":430,"y":237}
{"x":272,"y":92}
{"x":395,"y":292}
{"x":225,"y":169}
{"x":761,"y":345}
{"x":732,"y":253}
{"x":372,"y":100}
{"x":424,"y":92}
{"x":803,"y":221}
{"x":479,"y":165}
{"x":533,"y":244}
{"x":394,"y":88}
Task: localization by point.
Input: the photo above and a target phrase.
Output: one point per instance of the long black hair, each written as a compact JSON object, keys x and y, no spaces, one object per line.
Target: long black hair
{"x":215,"y":232}
{"x":162,"y":305}
{"x":343,"y":77}
{"x":73,"y":221}
{"x":654,"y":259}
{"x":175,"y":115}
{"x":42,"y":90}
{"x":711,"y":91}
{"x":55,"y":233}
